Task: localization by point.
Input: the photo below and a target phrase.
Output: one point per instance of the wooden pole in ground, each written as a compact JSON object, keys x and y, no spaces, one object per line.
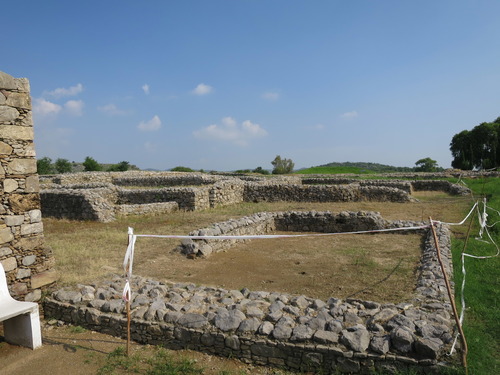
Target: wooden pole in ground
{"x":128,"y":326}
{"x":452,"y":298}
{"x":128,"y":295}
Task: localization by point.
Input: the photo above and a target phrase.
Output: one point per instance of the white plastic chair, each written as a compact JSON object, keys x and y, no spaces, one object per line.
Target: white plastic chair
{"x":21,"y":320}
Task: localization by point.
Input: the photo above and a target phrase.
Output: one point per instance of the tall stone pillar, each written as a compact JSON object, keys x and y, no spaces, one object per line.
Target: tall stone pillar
{"x":27,"y":262}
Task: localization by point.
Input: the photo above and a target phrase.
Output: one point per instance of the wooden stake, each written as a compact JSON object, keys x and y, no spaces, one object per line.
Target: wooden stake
{"x":452,"y":298}
{"x":128,"y":326}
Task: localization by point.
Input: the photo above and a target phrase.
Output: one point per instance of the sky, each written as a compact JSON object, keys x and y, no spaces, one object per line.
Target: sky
{"x":230,"y":84}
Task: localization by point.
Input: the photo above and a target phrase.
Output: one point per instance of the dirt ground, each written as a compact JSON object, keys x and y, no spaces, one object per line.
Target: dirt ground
{"x":378,"y":267}
{"x":67,"y":350}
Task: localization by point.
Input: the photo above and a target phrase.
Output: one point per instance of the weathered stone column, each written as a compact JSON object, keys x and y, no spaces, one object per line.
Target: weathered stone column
{"x":27,"y":262}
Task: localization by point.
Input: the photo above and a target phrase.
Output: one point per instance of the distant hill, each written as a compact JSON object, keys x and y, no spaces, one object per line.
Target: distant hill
{"x":353,"y":167}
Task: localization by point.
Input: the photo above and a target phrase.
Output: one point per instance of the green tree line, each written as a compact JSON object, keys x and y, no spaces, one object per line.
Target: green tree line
{"x":478,"y":148}
{"x":46,"y":166}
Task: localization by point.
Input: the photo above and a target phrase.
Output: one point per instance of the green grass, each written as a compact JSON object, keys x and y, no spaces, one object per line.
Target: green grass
{"x":161,"y":363}
{"x":482,"y":288}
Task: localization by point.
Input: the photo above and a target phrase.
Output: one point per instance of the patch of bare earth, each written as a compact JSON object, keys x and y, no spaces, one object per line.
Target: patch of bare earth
{"x":66,"y":351}
{"x":379,"y":267}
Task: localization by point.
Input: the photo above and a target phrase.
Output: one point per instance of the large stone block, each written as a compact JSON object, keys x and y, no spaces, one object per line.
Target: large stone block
{"x":32,"y":184}
{"x":43,"y":278}
{"x":5,"y":251}
{"x":23,"y":84}
{"x":28,"y":229}
{"x":5,"y":149}
{"x":8,"y":114}
{"x":9,"y":264}
{"x":14,"y":220}
{"x":21,"y":133}
{"x":9,"y":185}
{"x":22,"y":166}
{"x":35,"y":216}
{"x":19,"y":100}
{"x":5,"y":235}
{"x":7,"y":82}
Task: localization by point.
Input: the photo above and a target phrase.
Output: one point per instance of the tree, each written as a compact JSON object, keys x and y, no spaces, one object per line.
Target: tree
{"x":44,"y":166}
{"x":63,"y":166}
{"x":122,"y":166}
{"x":426,"y":165}
{"x":182,"y":169}
{"x":260,"y":170}
{"x":90,"y":164}
{"x":282,"y":166}
{"x":478,"y":148}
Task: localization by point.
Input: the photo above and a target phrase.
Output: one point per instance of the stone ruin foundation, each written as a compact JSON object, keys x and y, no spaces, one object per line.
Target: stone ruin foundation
{"x":27,"y":262}
{"x":101,"y":196}
{"x":276,"y":329}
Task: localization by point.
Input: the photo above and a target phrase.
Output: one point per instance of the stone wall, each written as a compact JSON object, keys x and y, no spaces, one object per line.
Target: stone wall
{"x":407,"y":186}
{"x":292,"y":221}
{"x":187,"y":198}
{"x":27,"y":262}
{"x":195,"y":191}
{"x":224,"y":193}
{"x":255,"y":192}
{"x":277,"y":329}
{"x":79,"y":204}
{"x":146,"y":209}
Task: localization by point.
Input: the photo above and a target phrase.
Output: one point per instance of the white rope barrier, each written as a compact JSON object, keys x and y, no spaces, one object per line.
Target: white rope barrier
{"x":483,"y":228}
{"x":463,"y":221}
{"x":128,"y":262}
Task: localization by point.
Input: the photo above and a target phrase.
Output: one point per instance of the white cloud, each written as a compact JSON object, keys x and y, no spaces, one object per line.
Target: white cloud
{"x":271,"y":96}
{"x":61,"y":92}
{"x":231,"y":132}
{"x":318,"y":127}
{"x":74,"y":107}
{"x":44,"y":107}
{"x":145,"y":88}
{"x":348,"y":115}
{"x":151,"y":125}
{"x":112,"y":110}
{"x":202,"y":89}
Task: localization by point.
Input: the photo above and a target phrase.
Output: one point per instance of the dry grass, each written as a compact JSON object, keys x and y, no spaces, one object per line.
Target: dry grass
{"x":86,"y":251}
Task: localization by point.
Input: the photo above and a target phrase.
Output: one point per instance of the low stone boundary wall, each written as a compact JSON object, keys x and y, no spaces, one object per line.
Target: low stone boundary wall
{"x":277,"y":329}
{"x":187,"y":198}
{"x":292,"y":221}
{"x":148,"y":208}
{"x":255,"y":192}
{"x":407,"y":186}
{"x":78,"y":204}
{"x":401,"y":185}
{"x":166,"y":180}
{"x":439,"y":185}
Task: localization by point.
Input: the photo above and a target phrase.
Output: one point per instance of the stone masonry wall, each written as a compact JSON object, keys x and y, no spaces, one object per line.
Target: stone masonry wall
{"x":66,"y":196}
{"x":255,"y":192}
{"x":292,"y":221}
{"x":27,"y":262}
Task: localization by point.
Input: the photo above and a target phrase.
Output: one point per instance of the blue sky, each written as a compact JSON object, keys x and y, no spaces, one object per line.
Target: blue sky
{"x":230,"y":84}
